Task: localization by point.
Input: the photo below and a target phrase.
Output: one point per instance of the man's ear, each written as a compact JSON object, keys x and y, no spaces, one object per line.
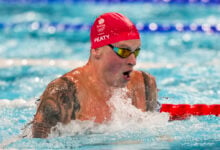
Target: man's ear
{"x":96,"y":53}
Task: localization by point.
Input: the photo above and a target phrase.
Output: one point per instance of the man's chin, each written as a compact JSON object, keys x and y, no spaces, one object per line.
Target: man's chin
{"x":120,"y":84}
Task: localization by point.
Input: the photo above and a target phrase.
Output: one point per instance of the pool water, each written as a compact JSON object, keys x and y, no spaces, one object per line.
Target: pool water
{"x":185,"y":64}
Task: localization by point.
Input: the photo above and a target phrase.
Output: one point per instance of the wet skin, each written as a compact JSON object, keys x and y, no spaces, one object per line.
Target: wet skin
{"x":83,"y":93}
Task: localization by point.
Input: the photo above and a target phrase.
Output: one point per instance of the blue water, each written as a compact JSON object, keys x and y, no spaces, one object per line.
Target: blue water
{"x":185,"y":64}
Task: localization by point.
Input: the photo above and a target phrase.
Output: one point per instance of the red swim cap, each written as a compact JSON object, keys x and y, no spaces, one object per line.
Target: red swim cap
{"x":111,"y":28}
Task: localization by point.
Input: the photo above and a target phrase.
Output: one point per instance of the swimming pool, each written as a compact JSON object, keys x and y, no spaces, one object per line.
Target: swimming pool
{"x":38,"y":44}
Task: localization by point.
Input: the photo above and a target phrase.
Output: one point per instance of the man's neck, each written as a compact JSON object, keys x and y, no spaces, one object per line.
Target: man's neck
{"x":96,"y":75}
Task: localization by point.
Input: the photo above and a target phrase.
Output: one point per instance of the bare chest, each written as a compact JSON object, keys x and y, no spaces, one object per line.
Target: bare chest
{"x":94,"y":108}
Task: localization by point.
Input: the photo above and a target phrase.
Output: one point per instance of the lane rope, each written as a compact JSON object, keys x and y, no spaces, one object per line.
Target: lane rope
{"x":184,"y":111}
{"x":114,"y":1}
{"x":54,"y":27}
{"x":5,"y":63}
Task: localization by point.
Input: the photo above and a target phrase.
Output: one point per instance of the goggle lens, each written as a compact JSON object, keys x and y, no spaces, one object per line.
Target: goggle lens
{"x":124,"y":52}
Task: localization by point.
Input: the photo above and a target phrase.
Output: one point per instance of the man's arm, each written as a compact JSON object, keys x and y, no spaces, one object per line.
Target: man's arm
{"x":151,"y":92}
{"x":56,"y":105}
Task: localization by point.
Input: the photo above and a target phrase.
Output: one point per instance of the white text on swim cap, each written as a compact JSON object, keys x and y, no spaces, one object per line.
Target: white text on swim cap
{"x":101,"y":38}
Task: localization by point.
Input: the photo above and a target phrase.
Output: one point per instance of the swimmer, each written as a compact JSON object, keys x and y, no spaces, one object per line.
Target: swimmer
{"x":83,"y":93}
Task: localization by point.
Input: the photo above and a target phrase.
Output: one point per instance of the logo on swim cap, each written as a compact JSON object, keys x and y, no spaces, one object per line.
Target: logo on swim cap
{"x":101,"y":26}
{"x":101,"y":21}
{"x":111,"y":28}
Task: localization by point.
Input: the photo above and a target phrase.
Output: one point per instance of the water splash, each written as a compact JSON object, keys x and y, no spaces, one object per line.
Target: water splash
{"x":125,"y":117}
{"x":17,"y":103}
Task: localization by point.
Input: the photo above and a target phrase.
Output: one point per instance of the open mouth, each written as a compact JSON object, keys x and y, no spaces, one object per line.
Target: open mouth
{"x":127,"y":75}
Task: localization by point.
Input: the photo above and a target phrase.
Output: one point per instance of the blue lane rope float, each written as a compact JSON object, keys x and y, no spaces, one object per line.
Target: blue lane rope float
{"x":142,"y":27}
{"x":116,"y":1}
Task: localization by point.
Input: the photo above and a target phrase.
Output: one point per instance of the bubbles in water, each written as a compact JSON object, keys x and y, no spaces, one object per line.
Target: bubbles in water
{"x":125,"y":117}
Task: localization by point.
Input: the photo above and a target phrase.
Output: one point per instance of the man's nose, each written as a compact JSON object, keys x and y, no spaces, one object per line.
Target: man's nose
{"x":131,"y":60}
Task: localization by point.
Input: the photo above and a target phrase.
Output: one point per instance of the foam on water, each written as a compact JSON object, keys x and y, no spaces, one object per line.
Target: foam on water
{"x":125,"y":117}
{"x":126,"y":121}
{"x":17,"y":103}
{"x":128,"y":125}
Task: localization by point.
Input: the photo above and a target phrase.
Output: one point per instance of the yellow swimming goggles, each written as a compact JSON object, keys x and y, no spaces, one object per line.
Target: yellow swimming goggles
{"x":124,"y":52}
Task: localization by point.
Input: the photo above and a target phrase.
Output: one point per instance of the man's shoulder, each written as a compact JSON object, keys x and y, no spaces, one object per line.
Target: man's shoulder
{"x":143,"y":74}
{"x":67,"y":81}
{"x":73,"y":74}
{"x":144,"y":77}
{"x":61,"y":83}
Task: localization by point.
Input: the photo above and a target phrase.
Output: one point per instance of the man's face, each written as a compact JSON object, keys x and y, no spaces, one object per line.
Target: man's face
{"x":117,"y":71}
